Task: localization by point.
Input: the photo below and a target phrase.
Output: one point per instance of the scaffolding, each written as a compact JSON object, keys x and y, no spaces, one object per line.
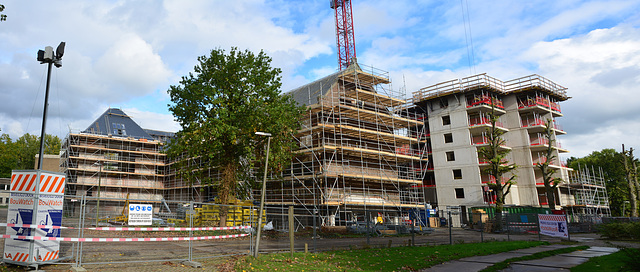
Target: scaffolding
{"x":360,"y":148}
{"x":120,"y":166}
{"x":587,"y":187}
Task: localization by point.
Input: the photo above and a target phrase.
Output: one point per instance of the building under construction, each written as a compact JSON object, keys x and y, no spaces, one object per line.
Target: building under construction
{"x":117,"y":159}
{"x":359,"y":148}
{"x":459,"y":117}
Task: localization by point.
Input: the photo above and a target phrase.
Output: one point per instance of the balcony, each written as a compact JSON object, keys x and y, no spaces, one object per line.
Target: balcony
{"x":540,"y":103}
{"x":483,"y":140}
{"x":478,"y":124}
{"x":539,"y":142}
{"x":484,"y":102}
{"x":488,"y":179}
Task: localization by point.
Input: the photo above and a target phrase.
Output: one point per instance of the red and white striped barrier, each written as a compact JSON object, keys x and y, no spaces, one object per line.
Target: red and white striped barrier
{"x":25,"y":183}
{"x":123,"y":228}
{"x":44,"y":238}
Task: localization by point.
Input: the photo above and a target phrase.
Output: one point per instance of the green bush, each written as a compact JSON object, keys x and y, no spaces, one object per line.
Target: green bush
{"x":628,"y":230}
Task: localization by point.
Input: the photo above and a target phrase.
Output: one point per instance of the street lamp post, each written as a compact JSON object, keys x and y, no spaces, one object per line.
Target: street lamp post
{"x":263,"y":192}
{"x":99,"y":183}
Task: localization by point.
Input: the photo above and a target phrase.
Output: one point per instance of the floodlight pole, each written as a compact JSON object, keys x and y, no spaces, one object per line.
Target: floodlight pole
{"x":47,"y":56}
{"x":44,"y":117}
{"x":264,"y":189}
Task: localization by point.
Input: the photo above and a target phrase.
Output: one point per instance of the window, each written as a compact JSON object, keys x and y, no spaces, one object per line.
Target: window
{"x":457,"y":173}
{"x":446,"y":120}
{"x":459,"y":192}
{"x":444,"y":103}
{"x":448,"y":138}
{"x":118,"y":129}
{"x":451,"y":156}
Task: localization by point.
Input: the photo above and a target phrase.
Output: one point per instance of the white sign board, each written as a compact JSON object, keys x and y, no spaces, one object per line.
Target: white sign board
{"x":140,"y":214}
{"x":48,"y":212}
{"x":553,"y":225}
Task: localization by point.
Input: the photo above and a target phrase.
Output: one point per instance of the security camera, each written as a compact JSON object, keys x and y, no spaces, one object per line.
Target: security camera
{"x":48,"y":54}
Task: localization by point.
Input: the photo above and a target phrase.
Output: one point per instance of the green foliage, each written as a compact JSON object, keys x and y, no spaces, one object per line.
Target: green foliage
{"x":377,"y":259}
{"x":627,"y":259}
{"x":610,"y":161}
{"x":8,"y":160}
{"x":621,"y":230}
{"x":2,"y":16}
{"x":550,"y":182}
{"x":21,"y":153}
{"x":496,"y":155}
{"x":230,"y":96}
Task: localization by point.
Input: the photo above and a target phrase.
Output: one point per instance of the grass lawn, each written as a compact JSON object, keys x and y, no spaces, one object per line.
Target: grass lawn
{"x":623,"y":260}
{"x":376,"y":259}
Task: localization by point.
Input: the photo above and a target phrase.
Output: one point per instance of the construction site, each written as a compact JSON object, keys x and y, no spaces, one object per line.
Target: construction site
{"x":360,"y":148}
{"x":365,"y":151}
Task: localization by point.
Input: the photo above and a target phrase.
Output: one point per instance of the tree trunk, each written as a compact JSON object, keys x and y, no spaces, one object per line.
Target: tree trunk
{"x":497,"y":225}
{"x":226,"y":189}
{"x":630,"y":182}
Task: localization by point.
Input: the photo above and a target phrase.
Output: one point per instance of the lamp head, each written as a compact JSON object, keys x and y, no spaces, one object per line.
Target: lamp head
{"x":60,"y":50}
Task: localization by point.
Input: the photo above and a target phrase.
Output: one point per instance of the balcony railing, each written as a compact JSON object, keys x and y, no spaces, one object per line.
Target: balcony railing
{"x":477,"y":121}
{"x":478,"y":100}
{"x":529,"y":122}
{"x":491,"y":179}
{"x":539,"y":101}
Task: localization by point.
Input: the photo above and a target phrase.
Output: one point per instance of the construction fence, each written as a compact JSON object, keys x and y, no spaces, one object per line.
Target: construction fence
{"x":100,"y":230}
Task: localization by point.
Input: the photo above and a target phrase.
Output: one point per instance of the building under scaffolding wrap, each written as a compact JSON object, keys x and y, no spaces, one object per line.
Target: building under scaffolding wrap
{"x":359,"y":148}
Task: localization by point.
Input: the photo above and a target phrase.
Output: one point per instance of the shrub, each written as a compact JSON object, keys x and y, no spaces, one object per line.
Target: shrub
{"x":628,"y":230}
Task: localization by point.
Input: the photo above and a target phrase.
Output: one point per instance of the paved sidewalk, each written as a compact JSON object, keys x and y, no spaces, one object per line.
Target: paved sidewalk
{"x":560,"y":262}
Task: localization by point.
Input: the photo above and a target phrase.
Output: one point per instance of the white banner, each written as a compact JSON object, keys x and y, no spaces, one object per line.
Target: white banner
{"x":140,"y":214}
{"x":553,"y":225}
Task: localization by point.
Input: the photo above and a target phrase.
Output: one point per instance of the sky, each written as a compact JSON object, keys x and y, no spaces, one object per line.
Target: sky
{"x":126,"y":54}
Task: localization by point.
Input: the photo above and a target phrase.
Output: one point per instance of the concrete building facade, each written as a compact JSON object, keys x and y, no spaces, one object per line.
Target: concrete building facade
{"x":458,"y":120}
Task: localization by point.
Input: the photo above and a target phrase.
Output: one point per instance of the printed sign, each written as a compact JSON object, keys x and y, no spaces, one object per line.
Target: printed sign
{"x":140,"y":214}
{"x":553,"y":225}
{"x":48,"y":212}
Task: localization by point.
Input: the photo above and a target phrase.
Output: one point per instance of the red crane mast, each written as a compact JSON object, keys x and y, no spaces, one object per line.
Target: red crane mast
{"x":346,"y":43}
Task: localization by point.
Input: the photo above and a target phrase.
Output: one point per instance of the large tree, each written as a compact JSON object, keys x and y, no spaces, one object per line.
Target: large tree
{"x":610,"y":162}
{"x":550,"y":182}
{"x":220,"y":106}
{"x":496,"y":156}
{"x":21,"y":154}
{"x":8,"y":158}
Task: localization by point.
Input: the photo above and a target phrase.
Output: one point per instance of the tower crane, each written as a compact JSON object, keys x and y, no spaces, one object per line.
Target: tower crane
{"x":345,"y":41}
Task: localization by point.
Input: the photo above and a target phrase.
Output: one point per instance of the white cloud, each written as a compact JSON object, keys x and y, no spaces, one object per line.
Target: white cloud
{"x":132,"y":66}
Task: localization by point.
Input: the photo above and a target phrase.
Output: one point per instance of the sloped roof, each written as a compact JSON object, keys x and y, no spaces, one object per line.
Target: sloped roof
{"x":308,"y":94}
{"x":117,"y":123}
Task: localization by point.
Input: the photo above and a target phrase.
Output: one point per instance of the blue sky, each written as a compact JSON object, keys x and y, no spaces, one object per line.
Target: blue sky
{"x":126,"y":54}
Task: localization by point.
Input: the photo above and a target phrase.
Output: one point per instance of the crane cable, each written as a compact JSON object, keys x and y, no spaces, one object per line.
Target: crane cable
{"x":467,"y":36}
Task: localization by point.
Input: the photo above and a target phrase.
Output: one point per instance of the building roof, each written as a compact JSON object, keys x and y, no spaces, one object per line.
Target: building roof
{"x":308,"y":94}
{"x":117,"y":123}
